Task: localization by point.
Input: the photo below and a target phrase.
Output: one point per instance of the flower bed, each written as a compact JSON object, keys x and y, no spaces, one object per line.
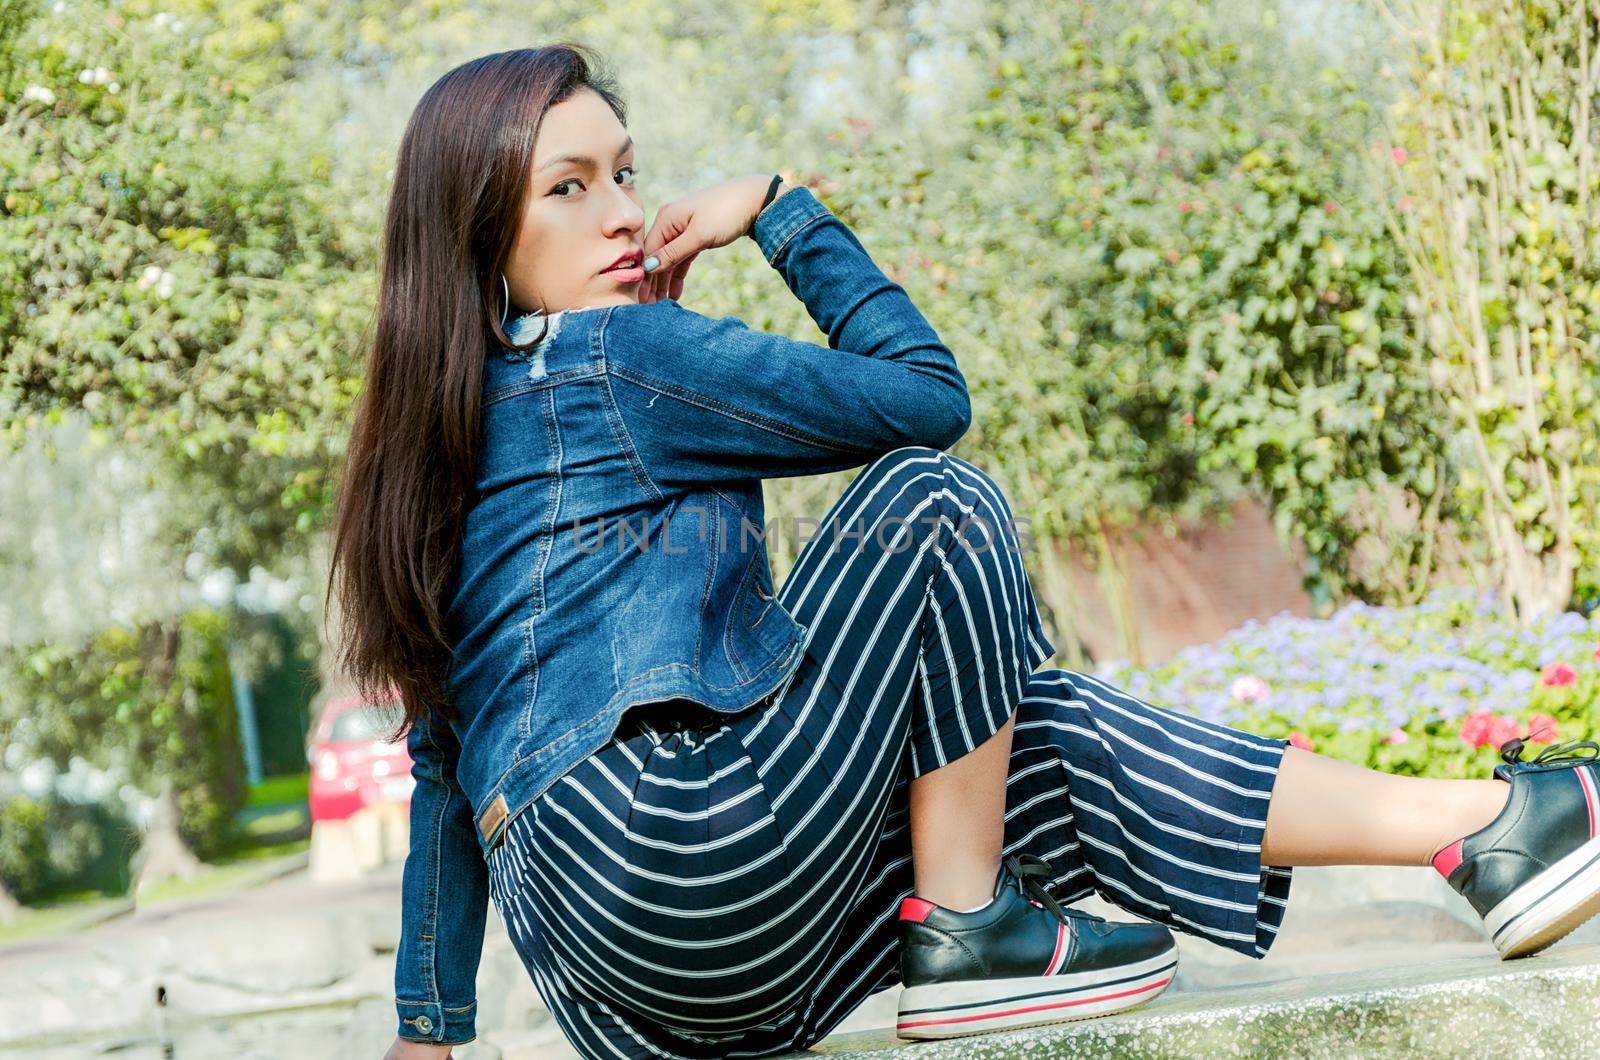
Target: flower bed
{"x":1429,"y":690}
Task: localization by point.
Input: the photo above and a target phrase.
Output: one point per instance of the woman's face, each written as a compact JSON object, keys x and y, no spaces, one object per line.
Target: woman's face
{"x":582,"y":212}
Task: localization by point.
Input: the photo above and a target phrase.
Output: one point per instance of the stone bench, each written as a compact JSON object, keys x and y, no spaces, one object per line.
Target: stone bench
{"x":1476,"y":1006}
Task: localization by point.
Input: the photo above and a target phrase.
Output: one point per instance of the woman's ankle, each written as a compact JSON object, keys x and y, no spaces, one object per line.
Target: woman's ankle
{"x":968,"y":893}
{"x":1480,"y":807}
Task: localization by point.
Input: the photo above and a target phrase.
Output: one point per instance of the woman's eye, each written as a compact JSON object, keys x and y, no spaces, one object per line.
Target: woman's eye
{"x":632,"y":176}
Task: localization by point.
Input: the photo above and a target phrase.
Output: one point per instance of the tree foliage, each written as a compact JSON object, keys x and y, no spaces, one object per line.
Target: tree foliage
{"x":152,"y":702}
{"x":1497,"y":208}
{"x":1144,"y":229}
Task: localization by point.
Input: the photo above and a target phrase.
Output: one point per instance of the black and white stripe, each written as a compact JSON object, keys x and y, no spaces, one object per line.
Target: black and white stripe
{"x":729,"y":885}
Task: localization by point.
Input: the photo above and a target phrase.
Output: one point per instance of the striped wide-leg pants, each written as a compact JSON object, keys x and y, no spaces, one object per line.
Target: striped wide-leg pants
{"x":729,"y":885}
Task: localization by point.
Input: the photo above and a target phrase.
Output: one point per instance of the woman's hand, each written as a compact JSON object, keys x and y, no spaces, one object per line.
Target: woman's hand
{"x":701,"y":220}
{"x":406,"y":1049}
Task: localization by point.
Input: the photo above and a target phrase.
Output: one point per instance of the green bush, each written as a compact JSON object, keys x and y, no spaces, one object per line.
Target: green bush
{"x":52,"y":845}
{"x":154,"y":700}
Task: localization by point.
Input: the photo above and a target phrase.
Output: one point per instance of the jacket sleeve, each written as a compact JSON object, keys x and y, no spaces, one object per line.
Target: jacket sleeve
{"x":444,"y":897}
{"x":708,"y":399}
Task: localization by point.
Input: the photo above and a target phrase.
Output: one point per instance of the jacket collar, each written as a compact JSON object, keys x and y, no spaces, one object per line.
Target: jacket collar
{"x":525,"y":326}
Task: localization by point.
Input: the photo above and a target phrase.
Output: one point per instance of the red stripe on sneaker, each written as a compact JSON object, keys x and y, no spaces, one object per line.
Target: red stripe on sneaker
{"x":1060,"y":955}
{"x":1036,"y":1008}
{"x":1586,"y":778}
{"x":916,"y":908}
{"x":1448,"y":859}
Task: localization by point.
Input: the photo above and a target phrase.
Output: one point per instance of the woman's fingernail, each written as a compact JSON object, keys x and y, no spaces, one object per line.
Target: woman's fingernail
{"x":651,"y":264}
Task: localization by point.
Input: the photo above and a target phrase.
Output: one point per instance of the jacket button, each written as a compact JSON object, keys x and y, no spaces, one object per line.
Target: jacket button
{"x":424,"y":1024}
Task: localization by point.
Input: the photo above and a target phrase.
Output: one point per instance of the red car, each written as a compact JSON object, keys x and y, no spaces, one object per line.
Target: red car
{"x":352,"y":765}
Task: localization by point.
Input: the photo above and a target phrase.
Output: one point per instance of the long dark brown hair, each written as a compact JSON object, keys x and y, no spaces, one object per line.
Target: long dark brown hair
{"x":459,"y":185}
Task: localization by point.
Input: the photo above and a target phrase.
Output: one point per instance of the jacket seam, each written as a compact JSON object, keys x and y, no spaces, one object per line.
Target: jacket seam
{"x":801,"y":227}
{"x":529,"y":386}
{"x":619,"y":431}
{"x":617,"y":421}
{"x":552,"y":745}
{"x":736,"y":611}
{"x":710,"y":404}
{"x":734,"y":616}
{"x":544,"y":547}
{"x":707,"y":582}
{"x":744,"y":517}
{"x":430,"y":1004}
{"x":570,"y":733}
{"x":573,"y":733}
{"x":431,"y":919}
{"x":685,"y":666}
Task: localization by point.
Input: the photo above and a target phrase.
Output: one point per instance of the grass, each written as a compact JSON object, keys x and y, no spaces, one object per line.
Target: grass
{"x":63,"y":914}
{"x":222,"y":876}
{"x":291,"y":787}
{"x":58,"y":915}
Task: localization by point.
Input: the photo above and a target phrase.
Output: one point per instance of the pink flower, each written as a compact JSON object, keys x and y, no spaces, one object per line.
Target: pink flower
{"x":1250,"y":689}
{"x":1330,"y":207}
{"x":1188,"y":419}
{"x":1503,"y":728}
{"x":1301,"y":740}
{"x":1557,"y":675}
{"x":1542,"y":728}
{"x":1486,"y":727}
{"x":1404,"y":203}
{"x":1597,"y":653}
{"x":1475,"y":727}
{"x":1399,"y":155}
{"x":1397,"y":736}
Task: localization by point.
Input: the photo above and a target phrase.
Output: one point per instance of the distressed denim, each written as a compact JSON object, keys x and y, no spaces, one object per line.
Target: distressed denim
{"x":614,"y":549}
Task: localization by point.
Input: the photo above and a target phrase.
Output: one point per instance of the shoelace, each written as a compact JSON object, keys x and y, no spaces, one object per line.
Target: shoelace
{"x":1511,"y":751}
{"x":1027,"y":870}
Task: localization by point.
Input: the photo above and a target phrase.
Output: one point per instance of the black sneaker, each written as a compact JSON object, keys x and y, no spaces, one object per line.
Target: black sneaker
{"x":1022,"y":960}
{"x":1533,"y":873}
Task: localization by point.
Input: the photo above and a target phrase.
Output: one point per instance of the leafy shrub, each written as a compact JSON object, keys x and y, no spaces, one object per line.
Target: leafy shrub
{"x":153,"y":700}
{"x":53,"y":844}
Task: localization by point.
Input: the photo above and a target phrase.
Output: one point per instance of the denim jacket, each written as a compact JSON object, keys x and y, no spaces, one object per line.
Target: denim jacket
{"x":614,"y":552}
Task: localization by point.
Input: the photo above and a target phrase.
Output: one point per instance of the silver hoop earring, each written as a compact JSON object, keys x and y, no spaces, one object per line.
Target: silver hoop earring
{"x":507,"y":309}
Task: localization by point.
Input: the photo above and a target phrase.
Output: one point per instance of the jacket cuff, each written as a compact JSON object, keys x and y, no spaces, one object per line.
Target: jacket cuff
{"x":783,"y":217}
{"x":423,"y":1021}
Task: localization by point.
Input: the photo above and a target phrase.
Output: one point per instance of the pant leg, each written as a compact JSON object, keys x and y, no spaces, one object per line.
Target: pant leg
{"x":943,"y":620}
{"x":1157,"y":810}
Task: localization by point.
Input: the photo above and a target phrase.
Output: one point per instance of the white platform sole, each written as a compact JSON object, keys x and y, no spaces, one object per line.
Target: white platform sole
{"x":951,"y":1010}
{"x":1548,"y":907}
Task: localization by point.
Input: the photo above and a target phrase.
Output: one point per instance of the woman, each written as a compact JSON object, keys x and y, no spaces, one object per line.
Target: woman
{"x":714,"y":815}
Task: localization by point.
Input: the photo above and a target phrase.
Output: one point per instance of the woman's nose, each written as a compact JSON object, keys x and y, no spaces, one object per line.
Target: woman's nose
{"x":627,"y":213}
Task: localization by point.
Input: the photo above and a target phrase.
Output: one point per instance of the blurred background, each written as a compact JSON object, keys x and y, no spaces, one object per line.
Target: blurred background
{"x":1280,"y":319}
